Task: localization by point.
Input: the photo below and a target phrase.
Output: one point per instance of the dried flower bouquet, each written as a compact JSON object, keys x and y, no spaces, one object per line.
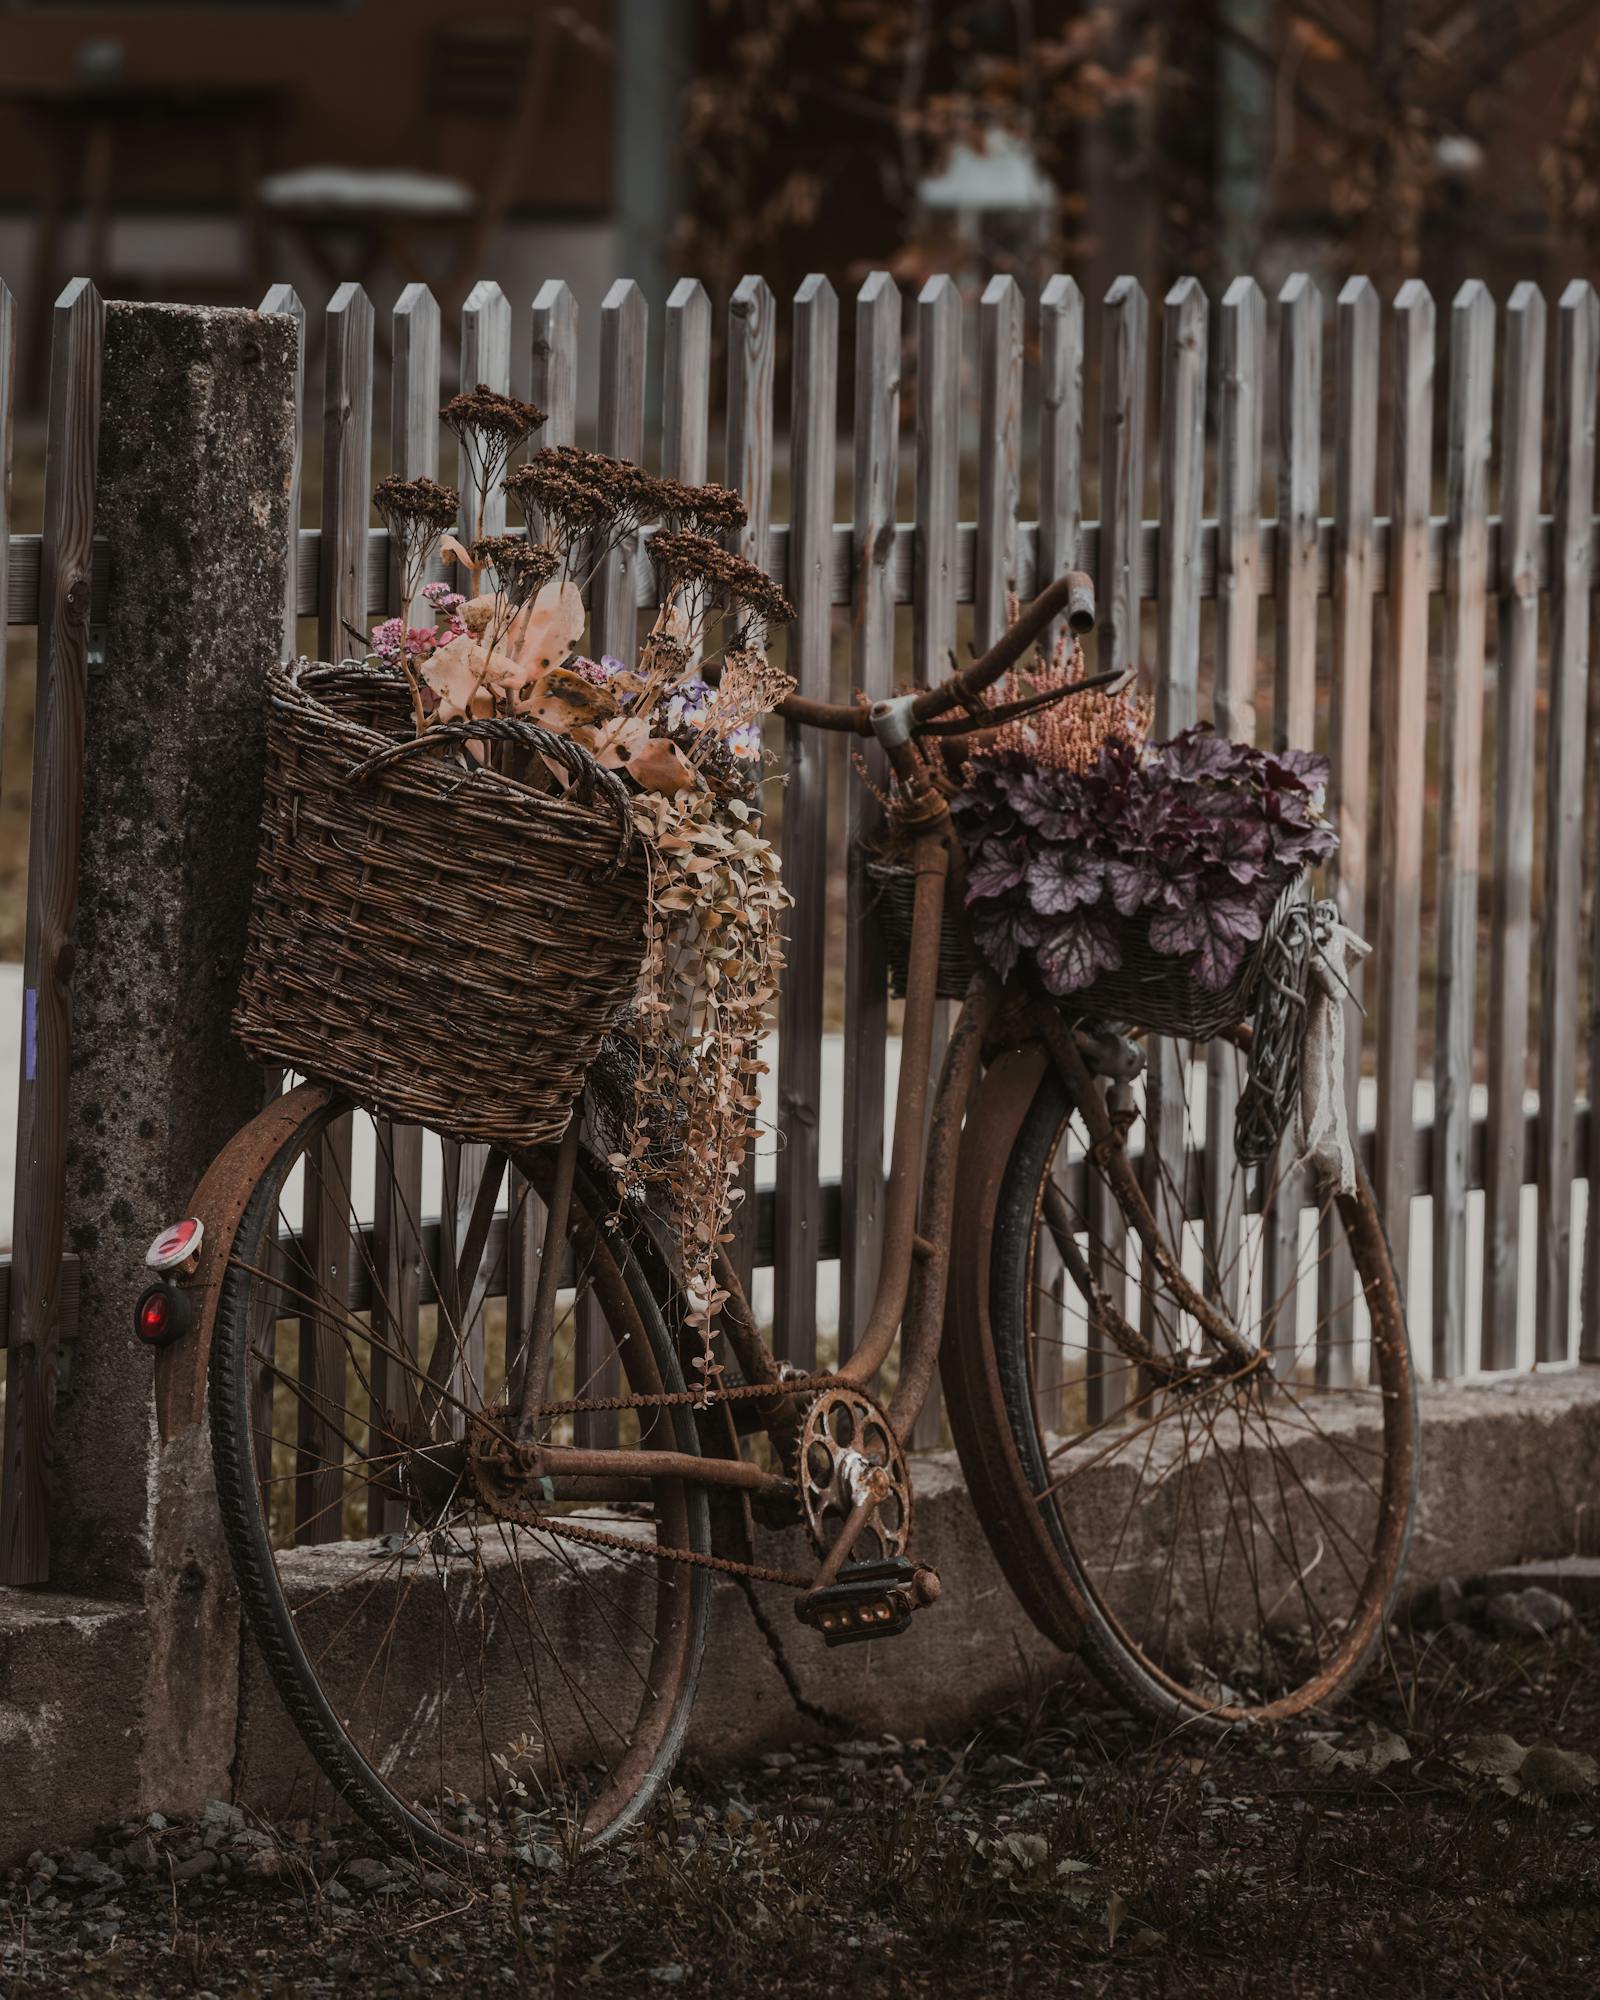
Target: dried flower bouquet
{"x":681,"y":725}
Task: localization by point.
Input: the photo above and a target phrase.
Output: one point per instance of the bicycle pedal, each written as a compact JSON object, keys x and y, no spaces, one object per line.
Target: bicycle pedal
{"x":868,"y":1600}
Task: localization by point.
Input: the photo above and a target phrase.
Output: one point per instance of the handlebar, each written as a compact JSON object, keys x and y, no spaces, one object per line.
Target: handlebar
{"x":1071,"y":596}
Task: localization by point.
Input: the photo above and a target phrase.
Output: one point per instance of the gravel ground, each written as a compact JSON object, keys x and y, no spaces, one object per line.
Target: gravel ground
{"x":1438,"y":1836}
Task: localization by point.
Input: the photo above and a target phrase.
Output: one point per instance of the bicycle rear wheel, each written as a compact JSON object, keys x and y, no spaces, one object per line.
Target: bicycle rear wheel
{"x":1218,"y":1524}
{"x":467,"y":1682}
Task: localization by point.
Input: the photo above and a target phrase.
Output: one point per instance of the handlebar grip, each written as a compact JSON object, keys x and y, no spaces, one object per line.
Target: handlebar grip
{"x":1080,"y":602}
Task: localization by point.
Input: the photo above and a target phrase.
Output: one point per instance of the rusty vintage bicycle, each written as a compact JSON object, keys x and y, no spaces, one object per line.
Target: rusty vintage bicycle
{"x":477,"y":1545}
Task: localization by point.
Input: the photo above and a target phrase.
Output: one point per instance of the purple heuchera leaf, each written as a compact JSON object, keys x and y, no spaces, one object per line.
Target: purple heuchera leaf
{"x":997,"y":867}
{"x":1063,"y":879}
{"x":995,"y":931}
{"x":1217,"y":930}
{"x":1132,"y":883}
{"x":1077,"y":952}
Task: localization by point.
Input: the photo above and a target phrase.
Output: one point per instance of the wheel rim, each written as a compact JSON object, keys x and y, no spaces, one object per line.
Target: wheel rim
{"x":482,"y":1682}
{"x":1234,"y":1525}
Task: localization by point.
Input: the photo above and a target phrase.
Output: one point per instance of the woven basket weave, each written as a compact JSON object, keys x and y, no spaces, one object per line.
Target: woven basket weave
{"x":1149,"y":990}
{"x":440,"y":940}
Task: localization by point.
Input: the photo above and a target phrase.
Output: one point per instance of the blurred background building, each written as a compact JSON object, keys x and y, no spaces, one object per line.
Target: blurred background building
{"x":201,"y":149}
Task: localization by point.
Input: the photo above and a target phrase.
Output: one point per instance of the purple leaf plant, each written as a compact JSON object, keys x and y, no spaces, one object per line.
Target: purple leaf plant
{"x":1190,"y":842}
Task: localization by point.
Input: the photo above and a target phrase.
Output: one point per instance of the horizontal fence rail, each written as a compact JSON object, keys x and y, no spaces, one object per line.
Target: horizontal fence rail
{"x":1456,"y":736}
{"x":22,"y":602}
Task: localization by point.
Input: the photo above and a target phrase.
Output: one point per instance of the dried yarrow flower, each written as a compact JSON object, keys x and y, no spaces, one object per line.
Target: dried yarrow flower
{"x":416,"y":512}
{"x":704,"y":574}
{"x":491,"y":427}
{"x":583,"y":502}
{"x":708,"y":510}
{"x":521,"y":568}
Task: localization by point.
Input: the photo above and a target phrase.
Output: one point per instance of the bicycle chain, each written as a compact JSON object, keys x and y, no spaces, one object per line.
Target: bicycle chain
{"x":529,"y":1516}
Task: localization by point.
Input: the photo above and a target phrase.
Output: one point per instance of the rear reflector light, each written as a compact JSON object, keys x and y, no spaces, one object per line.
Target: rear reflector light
{"x":162,"y":1314}
{"x":176,"y":1244}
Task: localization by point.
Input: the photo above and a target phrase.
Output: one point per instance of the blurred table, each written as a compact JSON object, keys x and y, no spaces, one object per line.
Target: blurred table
{"x":84,"y":130}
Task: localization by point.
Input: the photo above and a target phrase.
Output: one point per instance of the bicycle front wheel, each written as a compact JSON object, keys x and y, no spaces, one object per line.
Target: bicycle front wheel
{"x":468,"y":1682}
{"x":1212,"y":1505}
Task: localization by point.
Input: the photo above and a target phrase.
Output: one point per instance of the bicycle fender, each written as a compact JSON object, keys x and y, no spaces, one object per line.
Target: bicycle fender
{"x":220,"y":1202}
{"x":974,"y":1404}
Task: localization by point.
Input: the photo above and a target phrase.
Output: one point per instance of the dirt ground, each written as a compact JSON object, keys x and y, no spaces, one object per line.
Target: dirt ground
{"x":1438,"y":1836}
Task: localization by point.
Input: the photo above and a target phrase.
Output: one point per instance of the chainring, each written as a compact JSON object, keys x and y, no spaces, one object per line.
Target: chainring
{"x":846,"y":1440}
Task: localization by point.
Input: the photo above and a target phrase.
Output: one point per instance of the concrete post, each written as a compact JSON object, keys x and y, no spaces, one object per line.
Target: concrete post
{"x":195,"y":475}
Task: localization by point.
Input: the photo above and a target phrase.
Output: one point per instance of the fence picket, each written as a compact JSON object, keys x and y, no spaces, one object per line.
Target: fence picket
{"x":1241,"y":358}
{"x":486,"y":359}
{"x":1403,"y":758}
{"x":1122,"y":394}
{"x":999,"y":455}
{"x":805,"y":825}
{"x":1355,"y":480}
{"x":397,"y":1180}
{"x":934,"y":583}
{"x":877,"y":466}
{"x":1460,"y":758}
{"x":341,"y":627}
{"x":614,"y":623}
{"x":1060,"y":535}
{"x":1294,"y":709}
{"x":39,"y":1216}
{"x":624,"y":335}
{"x":553,"y":379}
{"x":1125,"y":322}
{"x":1571,"y":580}
{"x":555,"y":360}
{"x":933,"y":609}
{"x":1511,"y":918}
{"x":752,"y":329}
{"x":1177,"y":696}
{"x":686,"y":403}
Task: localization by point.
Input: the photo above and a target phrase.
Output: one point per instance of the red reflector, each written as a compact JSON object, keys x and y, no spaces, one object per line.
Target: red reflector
{"x":155,"y":1313}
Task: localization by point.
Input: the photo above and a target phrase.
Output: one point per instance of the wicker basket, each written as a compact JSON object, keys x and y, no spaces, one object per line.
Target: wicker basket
{"x":445,"y":943}
{"x":895,"y":890}
{"x":1149,"y":990}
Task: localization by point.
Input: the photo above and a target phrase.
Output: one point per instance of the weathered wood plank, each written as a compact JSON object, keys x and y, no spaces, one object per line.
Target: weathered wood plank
{"x":999,"y":455}
{"x":686,"y":403}
{"x":346,"y":473}
{"x":805,"y":824}
{"x":1402,"y":774}
{"x":1177,"y":694}
{"x":877,"y":466}
{"x":1460,"y":760}
{"x":752,"y":355}
{"x":285,"y":299}
{"x":1355,"y":480}
{"x":1122,"y":401}
{"x":1241,"y":369}
{"x":1241,"y":359}
{"x":1183,"y":458}
{"x":934,"y":600}
{"x":1059,"y":543}
{"x":555,"y":360}
{"x":1572,"y":580}
{"x":397,"y":1183}
{"x":485,"y":359}
{"x":1294,"y":709}
{"x":33,"y":1354}
{"x":624,"y":332}
{"x":341,"y":631}
{"x":1299,"y":478}
{"x":1511,"y":903}
{"x":934,"y":590}
{"x":1060,"y":527}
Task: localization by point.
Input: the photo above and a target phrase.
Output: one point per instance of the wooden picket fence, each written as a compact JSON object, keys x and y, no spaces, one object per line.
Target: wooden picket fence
{"x":1216,"y":582}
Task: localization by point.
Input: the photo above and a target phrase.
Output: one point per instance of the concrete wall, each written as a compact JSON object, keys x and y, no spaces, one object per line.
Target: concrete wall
{"x":1506,"y":1469}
